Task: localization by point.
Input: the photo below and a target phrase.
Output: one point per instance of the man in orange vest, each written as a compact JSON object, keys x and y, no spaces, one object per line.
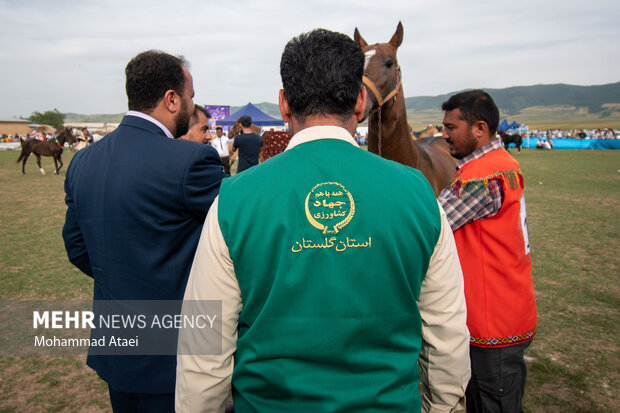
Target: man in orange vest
{"x":485,"y":207}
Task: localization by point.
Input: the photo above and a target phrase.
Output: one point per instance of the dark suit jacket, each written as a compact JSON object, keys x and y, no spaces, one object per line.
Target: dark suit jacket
{"x":136,"y":203}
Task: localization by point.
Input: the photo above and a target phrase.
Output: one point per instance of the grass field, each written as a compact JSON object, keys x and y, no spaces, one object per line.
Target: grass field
{"x":573,"y":200}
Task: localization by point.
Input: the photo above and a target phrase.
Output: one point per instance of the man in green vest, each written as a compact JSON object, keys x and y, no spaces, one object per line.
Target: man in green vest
{"x":336,"y":269}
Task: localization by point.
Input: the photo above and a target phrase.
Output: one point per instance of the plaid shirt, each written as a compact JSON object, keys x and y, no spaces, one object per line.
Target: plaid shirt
{"x":466,"y":208}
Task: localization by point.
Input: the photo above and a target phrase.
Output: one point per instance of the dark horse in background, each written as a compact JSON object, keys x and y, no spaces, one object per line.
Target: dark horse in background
{"x":66,"y":135}
{"x":508,"y":139}
{"x":388,"y":130}
{"x":40,"y":148}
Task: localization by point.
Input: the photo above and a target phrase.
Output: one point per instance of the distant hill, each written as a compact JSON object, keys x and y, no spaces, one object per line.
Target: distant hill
{"x":513,"y":100}
{"x":99,"y":118}
{"x":541,"y":106}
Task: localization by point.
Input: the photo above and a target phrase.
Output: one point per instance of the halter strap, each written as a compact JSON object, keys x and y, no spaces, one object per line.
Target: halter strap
{"x":381,"y":101}
{"x":375,"y":91}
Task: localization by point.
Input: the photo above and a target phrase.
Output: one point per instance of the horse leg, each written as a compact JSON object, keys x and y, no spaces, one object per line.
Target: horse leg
{"x":25,"y":158}
{"x":39,"y":163}
{"x":58,"y":167}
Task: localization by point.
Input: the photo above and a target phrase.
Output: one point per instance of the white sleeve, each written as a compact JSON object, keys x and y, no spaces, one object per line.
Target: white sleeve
{"x":203,"y":381}
{"x":444,"y":359}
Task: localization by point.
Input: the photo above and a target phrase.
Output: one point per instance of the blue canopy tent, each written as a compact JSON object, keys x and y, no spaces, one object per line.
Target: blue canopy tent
{"x":514,"y":125}
{"x":503,"y":126}
{"x":259,"y":117}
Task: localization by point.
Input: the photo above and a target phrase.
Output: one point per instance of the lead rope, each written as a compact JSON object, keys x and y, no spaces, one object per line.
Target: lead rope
{"x":379,"y":143}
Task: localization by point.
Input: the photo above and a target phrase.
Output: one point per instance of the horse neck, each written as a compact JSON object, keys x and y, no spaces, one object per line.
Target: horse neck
{"x":396,"y":142}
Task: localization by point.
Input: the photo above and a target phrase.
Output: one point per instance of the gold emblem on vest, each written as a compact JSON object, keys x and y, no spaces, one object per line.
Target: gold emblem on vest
{"x":329,"y":208}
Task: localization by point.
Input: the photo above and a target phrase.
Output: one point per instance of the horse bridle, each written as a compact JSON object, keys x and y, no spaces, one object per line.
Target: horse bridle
{"x":375,"y":90}
{"x":370,"y":85}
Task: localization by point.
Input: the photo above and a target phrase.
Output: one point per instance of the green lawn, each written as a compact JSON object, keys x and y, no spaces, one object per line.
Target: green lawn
{"x":573,"y":200}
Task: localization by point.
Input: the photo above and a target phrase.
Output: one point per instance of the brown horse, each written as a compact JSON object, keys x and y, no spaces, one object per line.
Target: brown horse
{"x":426,"y":132}
{"x":236,"y":129}
{"x":388,"y":131}
{"x":40,"y":148}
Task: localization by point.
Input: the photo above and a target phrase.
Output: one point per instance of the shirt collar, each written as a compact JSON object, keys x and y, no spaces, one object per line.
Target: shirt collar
{"x":314,"y":133}
{"x":480,"y":152}
{"x":150,"y":119}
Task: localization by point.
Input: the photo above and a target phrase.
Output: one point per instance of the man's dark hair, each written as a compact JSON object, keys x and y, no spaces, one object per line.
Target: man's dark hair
{"x":245,"y":121}
{"x":149,"y":75}
{"x":194,"y":118}
{"x":322,"y":74}
{"x":218,"y":128}
{"x":475,"y":105}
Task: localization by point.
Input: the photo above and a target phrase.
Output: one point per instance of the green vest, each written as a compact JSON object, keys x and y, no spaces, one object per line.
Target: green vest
{"x":330,"y":245}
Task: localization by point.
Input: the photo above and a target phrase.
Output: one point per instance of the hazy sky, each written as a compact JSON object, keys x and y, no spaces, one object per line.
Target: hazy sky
{"x":71,"y":55}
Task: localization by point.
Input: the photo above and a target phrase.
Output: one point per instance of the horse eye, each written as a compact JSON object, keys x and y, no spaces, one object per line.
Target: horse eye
{"x":389,"y":63}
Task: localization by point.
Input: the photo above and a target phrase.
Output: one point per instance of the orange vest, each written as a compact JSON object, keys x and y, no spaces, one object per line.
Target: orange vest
{"x":495,"y":257}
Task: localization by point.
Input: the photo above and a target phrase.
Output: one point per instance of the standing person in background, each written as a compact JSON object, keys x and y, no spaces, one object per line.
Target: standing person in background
{"x":358,"y":281}
{"x":82,"y":140}
{"x":87,"y":136}
{"x":486,"y":210}
{"x":220,"y":143}
{"x":136,"y":203}
{"x":198,"y":126}
{"x":248,"y":143}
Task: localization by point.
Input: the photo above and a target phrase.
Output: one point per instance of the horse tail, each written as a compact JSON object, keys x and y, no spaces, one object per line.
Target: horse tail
{"x":21,"y":155}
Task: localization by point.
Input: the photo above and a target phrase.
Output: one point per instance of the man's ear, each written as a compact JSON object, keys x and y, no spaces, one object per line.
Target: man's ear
{"x":480,"y":129}
{"x":172,"y":101}
{"x":285,"y":109}
{"x":360,"y":105}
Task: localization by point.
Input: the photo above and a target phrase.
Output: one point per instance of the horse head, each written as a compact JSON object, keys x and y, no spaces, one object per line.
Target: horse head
{"x":235,"y":129}
{"x":66,"y":135}
{"x":382,"y":75}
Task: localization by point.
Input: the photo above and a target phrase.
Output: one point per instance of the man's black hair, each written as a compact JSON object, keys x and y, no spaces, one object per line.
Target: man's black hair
{"x":475,"y":105}
{"x":245,"y":121}
{"x":322,"y":74}
{"x":149,"y":75}
{"x":194,"y":118}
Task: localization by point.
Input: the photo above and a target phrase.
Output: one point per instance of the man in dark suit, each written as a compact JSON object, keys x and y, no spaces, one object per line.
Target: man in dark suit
{"x":136,"y":202}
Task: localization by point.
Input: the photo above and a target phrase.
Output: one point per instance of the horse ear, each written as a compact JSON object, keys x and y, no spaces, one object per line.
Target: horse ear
{"x":397,"y":39}
{"x":359,"y":39}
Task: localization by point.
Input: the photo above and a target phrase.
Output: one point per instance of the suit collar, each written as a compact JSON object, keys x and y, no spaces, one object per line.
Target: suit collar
{"x":139,"y":119}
